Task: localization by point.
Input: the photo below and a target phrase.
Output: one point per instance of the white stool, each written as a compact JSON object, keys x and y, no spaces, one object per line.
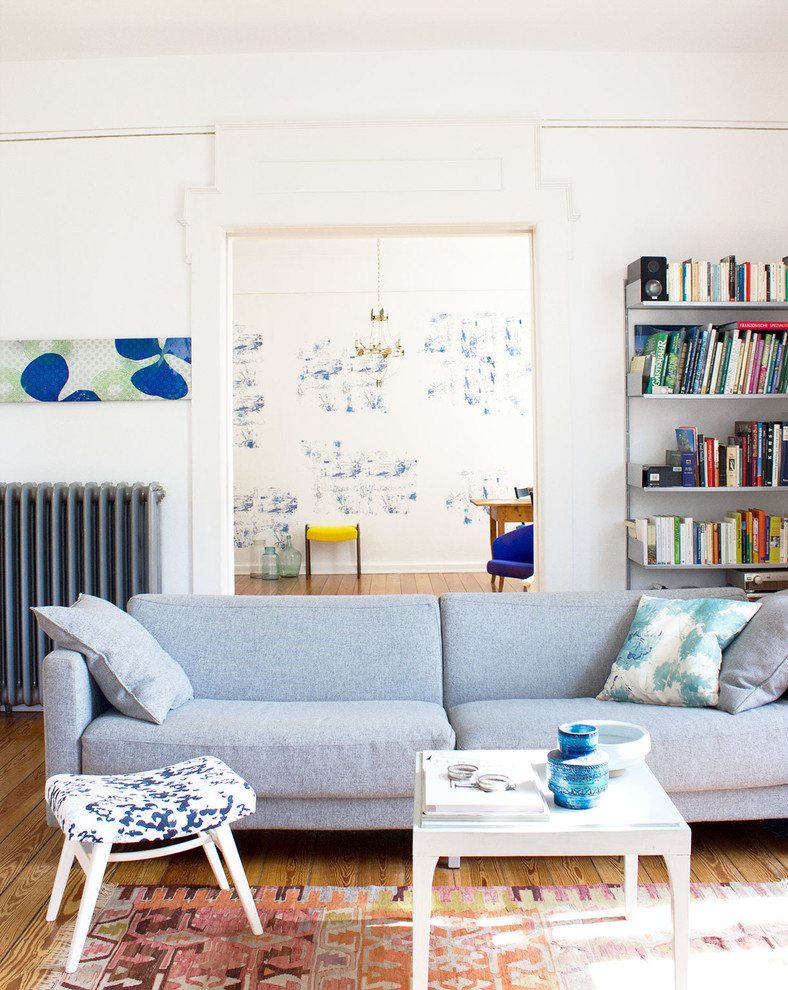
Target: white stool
{"x":195,"y":800}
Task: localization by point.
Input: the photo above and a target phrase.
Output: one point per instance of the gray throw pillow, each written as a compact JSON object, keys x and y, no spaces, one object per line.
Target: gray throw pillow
{"x":755,"y":666}
{"x":134,"y":673}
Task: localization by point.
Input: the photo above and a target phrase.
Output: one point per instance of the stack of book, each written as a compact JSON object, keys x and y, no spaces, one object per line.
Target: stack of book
{"x":727,"y":281}
{"x":754,"y":456}
{"x":748,"y":536}
{"x":446,"y":800}
{"x":741,"y":358}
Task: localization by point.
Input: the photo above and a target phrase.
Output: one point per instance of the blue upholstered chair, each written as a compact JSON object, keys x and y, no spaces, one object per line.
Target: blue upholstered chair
{"x":513,"y":555}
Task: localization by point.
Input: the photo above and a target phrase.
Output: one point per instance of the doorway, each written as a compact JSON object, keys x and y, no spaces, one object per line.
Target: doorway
{"x":316,"y":440}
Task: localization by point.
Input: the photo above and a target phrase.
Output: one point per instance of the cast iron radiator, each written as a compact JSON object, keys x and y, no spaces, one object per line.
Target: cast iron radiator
{"x":60,"y":540}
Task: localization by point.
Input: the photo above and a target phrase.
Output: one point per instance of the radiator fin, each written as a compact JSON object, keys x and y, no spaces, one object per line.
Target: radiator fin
{"x":58,"y":541}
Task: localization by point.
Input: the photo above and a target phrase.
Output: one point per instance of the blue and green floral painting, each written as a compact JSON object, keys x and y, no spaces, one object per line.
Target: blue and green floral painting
{"x":95,"y":370}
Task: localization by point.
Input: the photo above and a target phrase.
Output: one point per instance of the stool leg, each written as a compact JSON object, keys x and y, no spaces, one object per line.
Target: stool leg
{"x":63,"y":869}
{"x":358,"y":551}
{"x":223,"y":837}
{"x":98,"y":858}
{"x":308,"y":552}
{"x":215,"y":862}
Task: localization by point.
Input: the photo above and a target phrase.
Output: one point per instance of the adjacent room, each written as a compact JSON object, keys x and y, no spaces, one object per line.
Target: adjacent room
{"x":402,"y":444}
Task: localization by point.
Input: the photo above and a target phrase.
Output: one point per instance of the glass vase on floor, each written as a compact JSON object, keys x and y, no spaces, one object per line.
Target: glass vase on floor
{"x":269,"y":565}
{"x":289,"y":560}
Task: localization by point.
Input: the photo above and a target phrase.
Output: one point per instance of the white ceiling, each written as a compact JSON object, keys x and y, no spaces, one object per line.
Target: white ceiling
{"x":68,"y":29}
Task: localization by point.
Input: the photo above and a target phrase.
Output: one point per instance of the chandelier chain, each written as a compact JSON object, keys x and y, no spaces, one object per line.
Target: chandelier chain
{"x":378,"y":247}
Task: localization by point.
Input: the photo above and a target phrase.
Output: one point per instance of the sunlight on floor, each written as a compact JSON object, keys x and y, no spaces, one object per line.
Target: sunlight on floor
{"x":734,"y":942}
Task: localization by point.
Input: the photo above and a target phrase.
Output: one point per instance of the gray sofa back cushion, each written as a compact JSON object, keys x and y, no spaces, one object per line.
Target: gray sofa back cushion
{"x":539,"y":644}
{"x":301,"y":648}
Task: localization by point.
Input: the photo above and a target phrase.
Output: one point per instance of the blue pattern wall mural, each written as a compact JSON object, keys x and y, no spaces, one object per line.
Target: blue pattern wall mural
{"x":335,"y":380}
{"x":267,"y":512}
{"x":248,"y":398}
{"x":95,"y":370}
{"x":480,"y":359}
{"x":360,"y":482}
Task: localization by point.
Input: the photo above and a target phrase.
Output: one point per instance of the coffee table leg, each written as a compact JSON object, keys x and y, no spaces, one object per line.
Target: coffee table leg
{"x":423,"y":872}
{"x":630,"y":886}
{"x":679,"y":874}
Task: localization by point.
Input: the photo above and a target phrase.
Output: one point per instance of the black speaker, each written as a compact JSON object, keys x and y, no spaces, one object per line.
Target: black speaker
{"x":652,"y":273}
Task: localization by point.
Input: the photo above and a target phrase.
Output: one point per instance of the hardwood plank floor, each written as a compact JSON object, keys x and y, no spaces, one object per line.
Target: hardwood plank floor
{"x":29,"y":849}
{"x":373,"y":584}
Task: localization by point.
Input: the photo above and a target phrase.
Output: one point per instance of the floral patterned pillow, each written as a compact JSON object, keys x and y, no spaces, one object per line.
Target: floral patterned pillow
{"x":673,"y":651}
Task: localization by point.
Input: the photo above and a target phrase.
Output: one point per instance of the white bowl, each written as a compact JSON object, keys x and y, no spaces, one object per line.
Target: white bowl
{"x":624,"y":743}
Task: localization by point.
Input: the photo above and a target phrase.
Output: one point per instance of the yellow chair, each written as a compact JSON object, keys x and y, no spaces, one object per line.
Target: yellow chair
{"x":332,"y":534}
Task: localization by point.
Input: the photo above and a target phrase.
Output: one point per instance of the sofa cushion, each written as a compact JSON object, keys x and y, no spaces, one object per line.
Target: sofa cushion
{"x":341,"y":749}
{"x":299,"y":647}
{"x":673,"y":651}
{"x":755,"y":666}
{"x":134,"y":673}
{"x":691,"y":748}
{"x":539,"y":645}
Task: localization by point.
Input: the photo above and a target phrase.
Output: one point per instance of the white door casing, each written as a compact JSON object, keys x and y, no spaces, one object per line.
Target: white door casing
{"x":401,"y":177}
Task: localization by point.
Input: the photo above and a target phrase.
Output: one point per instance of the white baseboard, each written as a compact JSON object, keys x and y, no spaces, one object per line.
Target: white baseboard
{"x":433,"y":567}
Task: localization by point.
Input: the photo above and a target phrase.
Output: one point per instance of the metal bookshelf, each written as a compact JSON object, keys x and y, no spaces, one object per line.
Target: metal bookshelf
{"x":651,"y":420}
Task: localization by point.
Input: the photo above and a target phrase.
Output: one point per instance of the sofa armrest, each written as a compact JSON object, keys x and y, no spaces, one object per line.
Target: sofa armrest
{"x":72,"y":700}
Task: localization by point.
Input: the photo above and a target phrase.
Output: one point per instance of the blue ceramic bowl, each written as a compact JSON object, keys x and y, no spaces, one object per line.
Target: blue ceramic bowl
{"x":577,"y":781}
{"x":576,"y":738}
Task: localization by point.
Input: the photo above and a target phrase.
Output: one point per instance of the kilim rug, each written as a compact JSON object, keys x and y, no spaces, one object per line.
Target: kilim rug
{"x":487,"y":938}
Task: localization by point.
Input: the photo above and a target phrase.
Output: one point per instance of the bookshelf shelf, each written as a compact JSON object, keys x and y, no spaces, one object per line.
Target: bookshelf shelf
{"x":652,"y":419}
{"x":636,"y":553}
{"x":633,"y":301}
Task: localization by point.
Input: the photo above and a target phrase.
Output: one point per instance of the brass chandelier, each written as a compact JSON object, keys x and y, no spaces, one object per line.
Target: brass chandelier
{"x":378,"y":345}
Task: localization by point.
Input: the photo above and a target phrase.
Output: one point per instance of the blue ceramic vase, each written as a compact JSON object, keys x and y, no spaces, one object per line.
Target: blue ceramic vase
{"x":577,"y":772}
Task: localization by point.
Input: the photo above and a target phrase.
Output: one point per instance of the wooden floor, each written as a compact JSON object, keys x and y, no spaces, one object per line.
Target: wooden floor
{"x":373,"y":584}
{"x":29,"y":848}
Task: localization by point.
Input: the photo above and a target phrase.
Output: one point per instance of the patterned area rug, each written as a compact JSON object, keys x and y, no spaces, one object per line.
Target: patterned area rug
{"x":333,"y":938}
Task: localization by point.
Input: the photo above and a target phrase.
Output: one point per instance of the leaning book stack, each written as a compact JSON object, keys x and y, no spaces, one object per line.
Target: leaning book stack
{"x":446,"y":801}
{"x":741,"y":358}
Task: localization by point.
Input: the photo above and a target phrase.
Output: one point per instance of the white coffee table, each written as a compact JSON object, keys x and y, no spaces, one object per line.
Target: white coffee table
{"x":634,"y":818}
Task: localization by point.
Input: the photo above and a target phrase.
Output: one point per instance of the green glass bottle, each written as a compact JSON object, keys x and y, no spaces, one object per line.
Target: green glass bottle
{"x":289,"y":560}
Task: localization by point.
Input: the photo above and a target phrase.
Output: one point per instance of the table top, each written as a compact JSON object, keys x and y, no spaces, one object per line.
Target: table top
{"x":634,"y":800}
{"x":500,"y":501}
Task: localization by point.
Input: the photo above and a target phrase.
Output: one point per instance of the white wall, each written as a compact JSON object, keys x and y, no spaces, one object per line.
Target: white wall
{"x":89,"y":241}
{"x":90,"y":247}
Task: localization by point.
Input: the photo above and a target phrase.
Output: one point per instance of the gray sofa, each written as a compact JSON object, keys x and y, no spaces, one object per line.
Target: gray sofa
{"x":322,"y":702}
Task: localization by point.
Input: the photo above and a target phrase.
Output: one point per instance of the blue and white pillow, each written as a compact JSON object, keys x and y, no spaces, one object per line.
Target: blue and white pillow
{"x":673,"y":651}
{"x":135,"y":674}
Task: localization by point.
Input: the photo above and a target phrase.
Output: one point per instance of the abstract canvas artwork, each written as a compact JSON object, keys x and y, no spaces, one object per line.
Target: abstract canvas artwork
{"x":95,"y":370}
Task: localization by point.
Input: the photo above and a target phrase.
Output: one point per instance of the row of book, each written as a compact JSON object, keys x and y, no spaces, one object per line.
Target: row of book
{"x":748,"y":536}
{"x":741,"y":358}
{"x":754,"y":456}
{"x":728,"y":281}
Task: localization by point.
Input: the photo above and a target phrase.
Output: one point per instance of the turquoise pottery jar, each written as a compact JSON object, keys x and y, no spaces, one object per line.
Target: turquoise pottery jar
{"x":576,"y":774}
{"x":577,"y":781}
{"x":577,"y":738}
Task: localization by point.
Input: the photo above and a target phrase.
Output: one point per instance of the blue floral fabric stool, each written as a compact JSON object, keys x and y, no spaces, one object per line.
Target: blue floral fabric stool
{"x":194,"y":801}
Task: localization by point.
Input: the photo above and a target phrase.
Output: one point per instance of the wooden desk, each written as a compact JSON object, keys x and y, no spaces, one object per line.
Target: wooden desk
{"x":504,"y":510}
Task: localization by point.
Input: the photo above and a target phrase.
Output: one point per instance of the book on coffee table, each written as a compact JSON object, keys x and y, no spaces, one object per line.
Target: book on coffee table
{"x":448,"y":800}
